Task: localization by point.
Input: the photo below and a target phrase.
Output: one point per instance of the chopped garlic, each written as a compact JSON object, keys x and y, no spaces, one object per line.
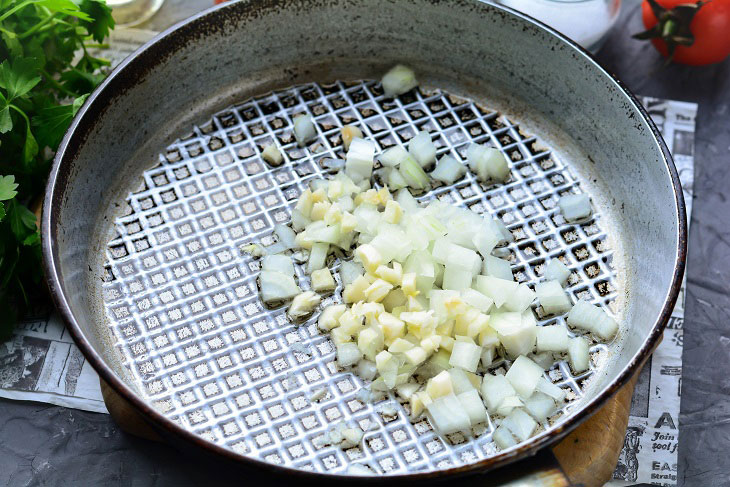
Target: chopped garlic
{"x":352,"y":437}
{"x":350,"y":132}
{"x":318,"y":394}
{"x":272,"y":155}
{"x":355,"y":291}
{"x":322,"y":280}
{"x":254,"y":250}
{"x":330,"y":316}
{"x":393,"y":212}
{"x":439,"y":386}
{"x":303,"y":304}
{"x":369,"y":256}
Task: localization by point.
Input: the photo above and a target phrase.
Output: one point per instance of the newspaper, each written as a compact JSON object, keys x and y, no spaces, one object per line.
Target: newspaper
{"x":41,"y":363}
{"x":649,"y":454}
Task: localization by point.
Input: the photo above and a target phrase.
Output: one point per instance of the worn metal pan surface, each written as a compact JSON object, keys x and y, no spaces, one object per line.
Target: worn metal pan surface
{"x":159,"y":183}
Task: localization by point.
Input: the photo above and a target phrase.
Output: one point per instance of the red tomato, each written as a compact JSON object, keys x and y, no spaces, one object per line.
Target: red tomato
{"x":710,"y":27}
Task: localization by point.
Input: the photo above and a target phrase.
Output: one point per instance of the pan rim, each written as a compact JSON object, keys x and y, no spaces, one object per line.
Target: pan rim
{"x":51,"y":264}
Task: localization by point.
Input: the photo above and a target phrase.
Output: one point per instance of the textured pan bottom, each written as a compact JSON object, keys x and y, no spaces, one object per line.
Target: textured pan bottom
{"x":182,"y":301}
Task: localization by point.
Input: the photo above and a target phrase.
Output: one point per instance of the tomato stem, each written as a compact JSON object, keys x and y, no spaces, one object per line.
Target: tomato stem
{"x":669,"y":28}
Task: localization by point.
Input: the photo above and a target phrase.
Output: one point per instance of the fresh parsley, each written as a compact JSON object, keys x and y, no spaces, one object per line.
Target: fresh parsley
{"x":46,"y":74}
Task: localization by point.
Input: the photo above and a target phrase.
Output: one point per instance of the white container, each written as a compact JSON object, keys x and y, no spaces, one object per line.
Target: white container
{"x":587,"y":22}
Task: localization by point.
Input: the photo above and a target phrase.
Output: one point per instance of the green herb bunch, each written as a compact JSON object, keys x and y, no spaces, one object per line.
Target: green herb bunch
{"x":46,"y":74}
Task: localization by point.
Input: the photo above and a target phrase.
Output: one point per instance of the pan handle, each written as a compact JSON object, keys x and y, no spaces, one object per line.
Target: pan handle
{"x":589,"y":464}
{"x":542,"y":470}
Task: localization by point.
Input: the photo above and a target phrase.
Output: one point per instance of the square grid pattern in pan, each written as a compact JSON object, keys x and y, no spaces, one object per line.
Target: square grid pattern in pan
{"x":182,"y":299}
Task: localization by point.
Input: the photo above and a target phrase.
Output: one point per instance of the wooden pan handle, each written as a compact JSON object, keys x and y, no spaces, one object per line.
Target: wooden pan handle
{"x":587,"y":456}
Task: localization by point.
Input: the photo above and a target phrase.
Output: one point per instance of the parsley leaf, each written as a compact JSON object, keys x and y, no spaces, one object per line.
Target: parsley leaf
{"x":30,"y":147}
{"x":102,"y":21}
{"x":19,"y":77}
{"x":7,"y":187}
{"x":51,"y":123}
{"x":6,"y":123}
{"x":22,"y":220}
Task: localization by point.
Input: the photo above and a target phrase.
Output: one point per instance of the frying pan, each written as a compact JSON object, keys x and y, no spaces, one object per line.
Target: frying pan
{"x":158,"y":185}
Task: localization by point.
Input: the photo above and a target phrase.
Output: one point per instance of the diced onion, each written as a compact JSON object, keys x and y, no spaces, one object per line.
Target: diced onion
{"x":466,"y":356}
{"x":540,"y":406}
{"x":473,"y":406}
{"x":279,"y":263}
{"x":495,"y":388}
{"x":406,"y":200}
{"x":448,"y":170}
{"x":488,"y":162}
{"x":349,"y":271}
{"x":575,"y":207}
{"x":456,"y":278}
{"x":448,"y":415}
{"x":317,"y":256}
{"x":422,"y":149}
{"x":523,"y":375}
{"x":553,"y":338}
{"x":413,"y":174}
{"x":496,"y":267}
{"x":521,"y":299}
{"x":557,"y":271}
{"x":520,"y":424}
{"x":592,"y":318}
{"x":276,"y":287}
{"x":552,"y":297}
{"x":517,"y":332}
{"x":304,"y":130}
{"x":348,"y":354}
{"x":547,"y":387}
{"x":400,"y":79}
{"x":500,"y":290}
{"x":393,"y":156}
{"x":366,"y":369}
{"x":359,"y":159}
{"x":503,"y":438}
{"x":578,"y":354}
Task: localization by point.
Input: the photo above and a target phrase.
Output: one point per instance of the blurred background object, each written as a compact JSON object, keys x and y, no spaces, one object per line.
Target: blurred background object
{"x":128,"y":13}
{"x":587,"y":22}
